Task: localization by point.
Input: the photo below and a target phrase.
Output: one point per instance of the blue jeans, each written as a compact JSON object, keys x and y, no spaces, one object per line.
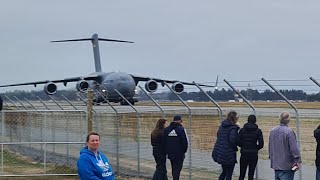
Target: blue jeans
{"x":283,"y":174}
{"x":318,"y":173}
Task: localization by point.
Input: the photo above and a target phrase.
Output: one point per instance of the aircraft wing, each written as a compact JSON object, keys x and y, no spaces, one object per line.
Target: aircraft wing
{"x":140,"y":78}
{"x":35,"y":83}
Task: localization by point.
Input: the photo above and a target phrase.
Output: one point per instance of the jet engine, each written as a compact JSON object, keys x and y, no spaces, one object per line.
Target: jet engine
{"x":178,"y":87}
{"x":151,"y":86}
{"x":50,"y":88}
{"x":82,"y":85}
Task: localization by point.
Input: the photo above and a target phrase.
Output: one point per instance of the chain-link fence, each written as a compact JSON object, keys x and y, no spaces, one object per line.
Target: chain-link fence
{"x":48,"y":142}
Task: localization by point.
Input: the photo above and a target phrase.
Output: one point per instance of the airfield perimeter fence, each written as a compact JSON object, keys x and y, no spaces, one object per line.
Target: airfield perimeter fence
{"x":47,"y":142}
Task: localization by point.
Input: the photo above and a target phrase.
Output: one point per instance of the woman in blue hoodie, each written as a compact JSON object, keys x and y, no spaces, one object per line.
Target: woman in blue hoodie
{"x":92,"y":164}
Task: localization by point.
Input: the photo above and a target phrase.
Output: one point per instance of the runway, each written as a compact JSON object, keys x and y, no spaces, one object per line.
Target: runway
{"x":115,"y":108}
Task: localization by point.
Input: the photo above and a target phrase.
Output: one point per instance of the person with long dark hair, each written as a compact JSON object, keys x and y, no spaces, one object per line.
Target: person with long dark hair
{"x":225,"y":148}
{"x":158,"y":151}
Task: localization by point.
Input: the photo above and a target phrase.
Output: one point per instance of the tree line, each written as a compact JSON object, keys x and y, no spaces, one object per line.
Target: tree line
{"x":218,"y":95}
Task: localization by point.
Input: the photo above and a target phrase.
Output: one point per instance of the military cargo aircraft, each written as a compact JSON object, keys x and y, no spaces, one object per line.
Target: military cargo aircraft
{"x":105,"y":84}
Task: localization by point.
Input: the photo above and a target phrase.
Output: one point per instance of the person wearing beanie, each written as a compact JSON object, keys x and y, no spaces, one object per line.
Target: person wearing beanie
{"x":250,"y":141}
{"x":176,"y":145}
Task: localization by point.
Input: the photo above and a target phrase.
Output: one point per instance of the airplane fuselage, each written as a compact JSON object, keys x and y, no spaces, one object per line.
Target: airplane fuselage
{"x":122,"y":82}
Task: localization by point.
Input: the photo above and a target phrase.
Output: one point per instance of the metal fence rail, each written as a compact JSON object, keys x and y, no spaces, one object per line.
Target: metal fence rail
{"x":49,"y":141}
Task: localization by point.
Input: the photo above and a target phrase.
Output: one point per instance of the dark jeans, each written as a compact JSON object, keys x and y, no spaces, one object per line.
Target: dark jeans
{"x":318,"y":173}
{"x":227,"y":170}
{"x":284,"y":174}
{"x":246,"y":161}
{"x":161,"y":169}
{"x":176,"y":165}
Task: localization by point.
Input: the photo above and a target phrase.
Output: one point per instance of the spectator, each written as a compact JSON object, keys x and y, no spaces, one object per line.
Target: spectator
{"x":176,"y":145}
{"x":317,"y":136}
{"x":250,"y":141}
{"x":1,"y":103}
{"x":284,"y":153}
{"x":225,"y":148}
{"x":92,"y":164}
{"x":158,"y":151}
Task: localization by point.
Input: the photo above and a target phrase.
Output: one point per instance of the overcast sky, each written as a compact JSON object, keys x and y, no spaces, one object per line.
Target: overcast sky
{"x":179,"y":40}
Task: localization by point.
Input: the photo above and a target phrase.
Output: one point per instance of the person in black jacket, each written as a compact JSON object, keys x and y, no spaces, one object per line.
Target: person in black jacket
{"x":317,"y":161}
{"x":250,"y":141}
{"x":158,"y":152}
{"x":225,"y":148}
{"x":176,"y":145}
{"x":1,"y":103}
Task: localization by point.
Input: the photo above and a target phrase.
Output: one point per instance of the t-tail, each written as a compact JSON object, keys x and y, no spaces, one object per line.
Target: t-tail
{"x":216,"y":85}
{"x":95,"y":44}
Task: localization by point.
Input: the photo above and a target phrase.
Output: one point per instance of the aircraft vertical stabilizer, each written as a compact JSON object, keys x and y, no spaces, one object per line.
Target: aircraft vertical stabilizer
{"x":95,"y":44}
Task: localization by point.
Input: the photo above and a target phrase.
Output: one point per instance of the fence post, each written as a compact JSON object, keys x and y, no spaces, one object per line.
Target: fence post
{"x":42,"y":102}
{"x":89,"y":110}
{"x":69,"y":101}
{"x":118,"y":128}
{"x":32,"y":105}
{"x":253,"y":109}
{"x":55,"y":102}
{"x":211,"y":99}
{"x":139,"y":126}
{"x":152,"y":100}
{"x":297,"y":118}
{"x":20,"y":102}
{"x":11,"y":101}
{"x":245,"y":99}
{"x":190,"y":129}
{"x":81,"y":98}
{"x":315,"y":81}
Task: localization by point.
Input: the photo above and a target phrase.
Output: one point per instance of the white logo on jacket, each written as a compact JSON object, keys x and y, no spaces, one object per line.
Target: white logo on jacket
{"x":172,"y":133}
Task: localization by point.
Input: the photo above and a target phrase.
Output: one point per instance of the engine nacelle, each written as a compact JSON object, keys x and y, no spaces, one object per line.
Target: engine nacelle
{"x":178,"y":87}
{"x":50,"y":88}
{"x":151,"y":86}
{"x":82,"y":86}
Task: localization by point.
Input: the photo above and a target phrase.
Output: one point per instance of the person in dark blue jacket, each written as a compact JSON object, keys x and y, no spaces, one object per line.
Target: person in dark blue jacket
{"x":176,"y":145}
{"x":1,"y":103}
{"x":225,"y":148}
{"x":250,"y":141}
{"x":317,"y":161}
{"x":158,"y":152}
{"x":92,"y":164}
